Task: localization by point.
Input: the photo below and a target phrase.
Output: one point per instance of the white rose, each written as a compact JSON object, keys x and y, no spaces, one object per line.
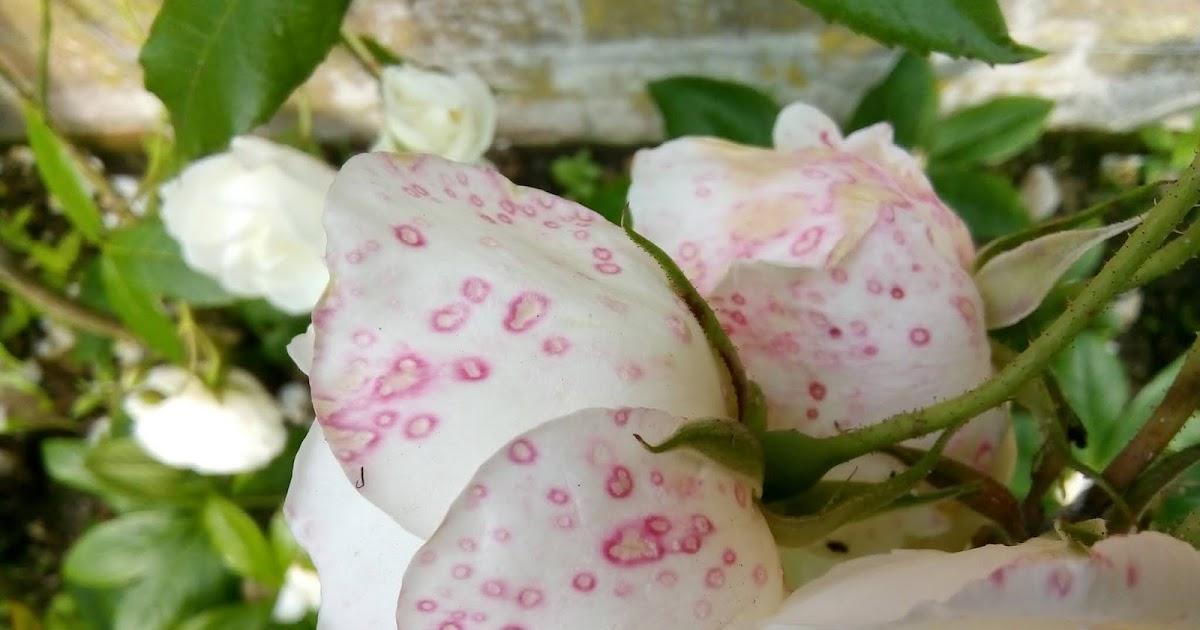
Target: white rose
{"x":181,"y":423}
{"x":1146,"y":580}
{"x":251,"y":219}
{"x":449,"y":115}
{"x":301,"y":592}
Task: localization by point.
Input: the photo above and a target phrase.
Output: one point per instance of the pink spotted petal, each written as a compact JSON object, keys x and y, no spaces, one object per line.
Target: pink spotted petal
{"x":842,"y":280}
{"x":575,"y":525}
{"x":359,"y":552}
{"x":464,"y":310}
{"x":1146,"y":580}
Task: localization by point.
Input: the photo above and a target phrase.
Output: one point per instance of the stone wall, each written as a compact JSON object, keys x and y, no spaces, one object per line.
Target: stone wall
{"x":570,"y":70}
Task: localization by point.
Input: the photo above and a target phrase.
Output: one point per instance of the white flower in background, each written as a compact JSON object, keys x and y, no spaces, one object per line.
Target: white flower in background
{"x":128,"y":352}
{"x":295,"y":402}
{"x":251,"y":219}
{"x":182,"y":424}
{"x":426,"y":111}
{"x":1146,"y":580}
{"x":301,"y":593}
{"x":1040,"y":192}
{"x":58,"y":340}
{"x":1122,"y":170}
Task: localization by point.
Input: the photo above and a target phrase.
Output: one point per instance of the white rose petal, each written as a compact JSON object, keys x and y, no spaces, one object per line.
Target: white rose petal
{"x":449,"y":115}
{"x":300,"y":349}
{"x":251,"y":219}
{"x":1146,"y":580}
{"x":1040,"y":192}
{"x":301,"y":592}
{"x":182,"y":424}
{"x":360,"y":553}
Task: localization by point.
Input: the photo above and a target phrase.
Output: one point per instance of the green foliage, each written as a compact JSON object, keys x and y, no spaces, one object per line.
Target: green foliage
{"x":728,"y":443}
{"x":585,"y":181}
{"x":1093,"y":380}
{"x":990,"y":133}
{"x":117,"y":552}
{"x":224,"y":66}
{"x":239,"y":541}
{"x":148,"y":257}
{"x":906,"y":98}
{"x":962,"y":28}
{"x":698,"y":106}
{"x":122,"y":465}
{"x":61,"y":176}
{"x":987,"y":202}
{"x":140,"y":310}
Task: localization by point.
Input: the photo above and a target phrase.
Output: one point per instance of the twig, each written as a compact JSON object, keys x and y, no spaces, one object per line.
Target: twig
{"x":1153,"y":437}
{"x":57,"y":306}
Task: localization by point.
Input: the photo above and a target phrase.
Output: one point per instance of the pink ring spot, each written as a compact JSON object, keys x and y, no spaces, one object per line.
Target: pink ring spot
{"x":808,"y":241}
{"x":816,"y":389}
{"x":426,"y":605}
{"x":472,"y":369}
{"x":667,"y":578}
{"x":729,"y":557}
{"x":529,"y":597}
{"x":839,"y":275}
{"x":385,"y":419}
{"x":760,"y":575}
{"x":584,"y":582}
{"x":688,"y":250}
{"x":631,"y":546}
{"x":501,"y":535}
{"x":449,"y":318}
{"x":621,"y":417}
{"x":522,"y":451}
{"x":875,"y":286}
{"x":408,"y":375}
{"x":558,"y":496}
{"x":461,"y":571}
{"x":897,"y":293}
{"x":493,"y":588}
{"x":679,"y":328}
{"x":630,"y":372}
{"x":409,"y":235}
{"x":919,"y":336}
{"x":555,"y":346}
{"x":620,"y":482}
{"x":714,"y":578}
{"x":476,"y":289}
{"x":608,"y":268}
{"x":420,"y":426}
{"x":525,"y":311}
{"x":602,"y":253}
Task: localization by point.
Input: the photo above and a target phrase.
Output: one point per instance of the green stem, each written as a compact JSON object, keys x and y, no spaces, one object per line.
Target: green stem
{"x":1151,"y":483}
{"x":1111,"y":280}
{"x":358,"y":50}
{"x":1170,"y":257}
{"x":57,"y":306}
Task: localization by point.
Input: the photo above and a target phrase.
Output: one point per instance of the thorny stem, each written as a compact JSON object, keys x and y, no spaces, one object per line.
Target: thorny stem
{"x":1153,"y":437}
{"x":1170,"y":257}
{"x":1111,"y":280}
{"x":57,"y":306}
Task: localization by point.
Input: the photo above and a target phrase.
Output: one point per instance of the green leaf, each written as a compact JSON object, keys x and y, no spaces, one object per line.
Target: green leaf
{"x":140,"y":310}
{"x":698,"y":106}
{"x":1093,"y":380}
{"x":962,"y":28}
{"x":992,"y":132}
{"x":987,"y":202}
{"x":61,"y":176}
{"x":117,"y":552}
{"x":726,"y":442}
{"x":64,"y":462}
{"x":189,"y":578}
{"x":249,"y":616}
{"x":906,"y":98}
{"x":121,"y":464}
{"x":150,"y":258}
{"x":240,"y":542}
{"x":224,"y":66}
